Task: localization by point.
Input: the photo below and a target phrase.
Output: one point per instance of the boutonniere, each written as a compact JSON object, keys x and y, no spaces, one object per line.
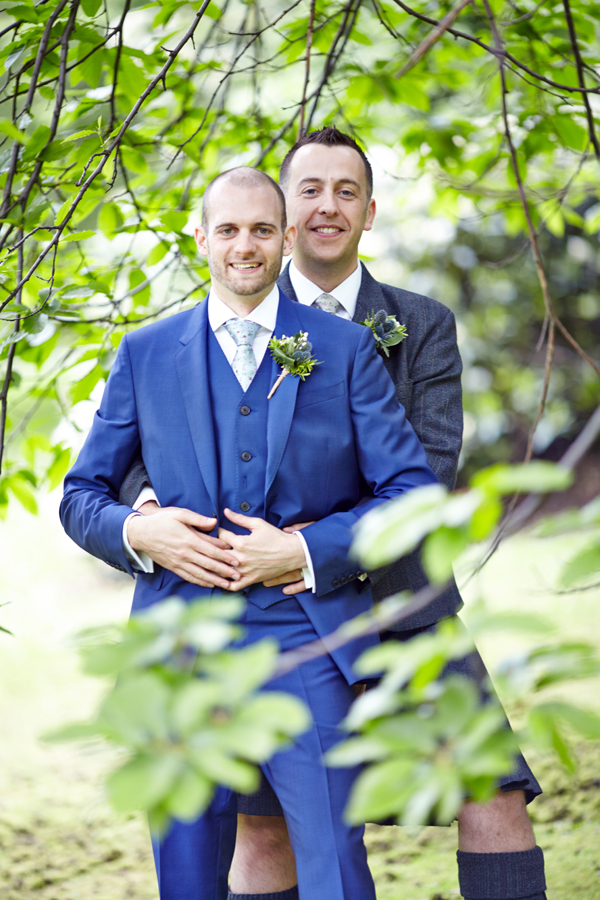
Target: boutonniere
{"x":387,"y":331}
{"x":294,"y":355}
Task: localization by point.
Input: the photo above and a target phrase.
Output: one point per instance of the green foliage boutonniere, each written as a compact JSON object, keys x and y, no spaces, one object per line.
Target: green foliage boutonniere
{"x":387,"y":331}
{"x":294,"y":355}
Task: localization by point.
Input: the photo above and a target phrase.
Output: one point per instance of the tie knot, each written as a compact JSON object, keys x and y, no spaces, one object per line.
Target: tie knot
{"x":242,"y":331}
{"x":327,"y":303}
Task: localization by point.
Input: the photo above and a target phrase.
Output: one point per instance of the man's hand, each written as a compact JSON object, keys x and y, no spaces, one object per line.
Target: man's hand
{"x":298,"y":585}
{"x":263,"y":555}
{"x":172,"y":538}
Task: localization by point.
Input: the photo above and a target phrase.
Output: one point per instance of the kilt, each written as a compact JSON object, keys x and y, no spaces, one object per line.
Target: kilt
{"x":264,"y":801}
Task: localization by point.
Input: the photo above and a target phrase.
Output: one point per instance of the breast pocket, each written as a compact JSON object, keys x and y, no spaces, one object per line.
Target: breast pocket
{"x":308,"y":397}
{"x":404,"y":392}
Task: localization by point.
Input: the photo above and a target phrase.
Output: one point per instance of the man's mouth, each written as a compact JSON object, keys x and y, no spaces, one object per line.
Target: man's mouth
{"x":246,"y":265}
{"x":328,"y":229}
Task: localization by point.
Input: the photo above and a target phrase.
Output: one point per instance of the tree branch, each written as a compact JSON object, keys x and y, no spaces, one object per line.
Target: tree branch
{"x":431,"y":38}
{"x":309,"y":37}
{"x":107,"y":152}
{"x":580,"y":77}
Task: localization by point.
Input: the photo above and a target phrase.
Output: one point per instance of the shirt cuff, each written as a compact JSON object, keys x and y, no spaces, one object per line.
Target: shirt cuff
{"x":140,"y":562}
{"x":144,"y":496}
{"x":308,"y":572}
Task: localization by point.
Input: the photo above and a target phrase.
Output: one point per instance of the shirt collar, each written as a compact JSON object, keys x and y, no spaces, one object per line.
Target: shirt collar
{"x":264,"y":315}
{"x":345,"y":293}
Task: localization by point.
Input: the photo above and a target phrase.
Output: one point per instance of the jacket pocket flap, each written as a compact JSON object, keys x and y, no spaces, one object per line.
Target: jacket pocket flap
{"x":308,"y":397}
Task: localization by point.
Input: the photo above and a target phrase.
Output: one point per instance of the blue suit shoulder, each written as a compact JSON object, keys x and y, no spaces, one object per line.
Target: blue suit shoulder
{"x":170,"y":328}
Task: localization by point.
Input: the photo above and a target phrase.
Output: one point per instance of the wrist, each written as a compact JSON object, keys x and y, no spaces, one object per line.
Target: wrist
{"x":134,"y":531}
{"x":298,"y":560}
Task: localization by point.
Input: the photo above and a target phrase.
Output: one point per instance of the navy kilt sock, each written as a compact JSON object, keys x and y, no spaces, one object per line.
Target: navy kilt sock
{"x":290,"y":894}
{"x":502,"y":876}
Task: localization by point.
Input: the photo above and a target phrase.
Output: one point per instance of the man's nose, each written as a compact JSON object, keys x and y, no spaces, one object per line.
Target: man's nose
{"x":244,"y":244}
{"x":328,"y":205}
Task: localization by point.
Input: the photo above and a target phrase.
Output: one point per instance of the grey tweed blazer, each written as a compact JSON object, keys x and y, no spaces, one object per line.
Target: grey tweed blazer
{"x":425,"y":369}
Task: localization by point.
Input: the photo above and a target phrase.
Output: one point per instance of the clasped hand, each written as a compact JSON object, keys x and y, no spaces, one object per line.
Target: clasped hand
{"x":177,"y":540}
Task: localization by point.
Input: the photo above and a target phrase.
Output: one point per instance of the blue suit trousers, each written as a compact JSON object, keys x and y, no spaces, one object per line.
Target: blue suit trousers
{"x":331,"y":860}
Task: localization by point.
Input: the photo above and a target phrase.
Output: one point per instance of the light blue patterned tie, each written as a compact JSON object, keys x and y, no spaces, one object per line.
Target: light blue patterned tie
{"x":327,"y":303}
{"x":243,"y":332}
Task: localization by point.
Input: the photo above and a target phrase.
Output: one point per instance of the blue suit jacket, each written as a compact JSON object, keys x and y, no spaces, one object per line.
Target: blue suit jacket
{"x":327,"y":435}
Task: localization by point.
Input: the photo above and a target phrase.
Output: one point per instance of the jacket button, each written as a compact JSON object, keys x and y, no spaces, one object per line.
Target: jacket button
{"x":244,"y":506}
{"x":345,"y":579}
{"x":245,"y":410}
{"x":335,"y":583}
{"x":246,"y":456}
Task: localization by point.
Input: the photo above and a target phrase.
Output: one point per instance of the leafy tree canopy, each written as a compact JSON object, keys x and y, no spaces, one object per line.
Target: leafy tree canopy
{"x":115,"y":114}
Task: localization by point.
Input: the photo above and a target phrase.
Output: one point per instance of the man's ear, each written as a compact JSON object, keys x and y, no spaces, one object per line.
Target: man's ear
{"x":200,"y":238}
{"x":371,"y":210}
{"x":289,"y":239}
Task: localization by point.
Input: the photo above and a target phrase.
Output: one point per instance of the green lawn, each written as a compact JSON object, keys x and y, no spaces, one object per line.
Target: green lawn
{"x":58,"y":839}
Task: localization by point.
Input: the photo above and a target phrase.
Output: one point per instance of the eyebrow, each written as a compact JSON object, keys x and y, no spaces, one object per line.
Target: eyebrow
{"x":339,"y":181}
{"x":254,"y":225}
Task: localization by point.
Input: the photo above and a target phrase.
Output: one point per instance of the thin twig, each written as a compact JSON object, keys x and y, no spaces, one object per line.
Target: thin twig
{"x":495,"y":52}
{"x":432,"y":37}
{"x":580,"y":77}
{"x":309,"y":37}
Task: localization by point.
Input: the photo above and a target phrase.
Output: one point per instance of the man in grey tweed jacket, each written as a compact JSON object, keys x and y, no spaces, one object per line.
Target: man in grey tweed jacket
{"x":324,"y":176}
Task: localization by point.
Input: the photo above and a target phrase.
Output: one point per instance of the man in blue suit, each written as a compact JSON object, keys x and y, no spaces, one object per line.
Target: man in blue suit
{"x":191,"y":392}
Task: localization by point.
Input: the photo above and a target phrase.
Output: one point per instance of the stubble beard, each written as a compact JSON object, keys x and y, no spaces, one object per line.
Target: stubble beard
{"x":222,"y":274}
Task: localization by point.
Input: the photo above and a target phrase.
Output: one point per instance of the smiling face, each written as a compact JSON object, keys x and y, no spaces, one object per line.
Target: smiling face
{"x":244,"y":242}
{"x":327,"y":201}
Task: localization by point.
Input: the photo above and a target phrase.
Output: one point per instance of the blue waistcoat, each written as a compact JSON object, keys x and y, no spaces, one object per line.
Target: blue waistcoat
{"x":240,"y":422}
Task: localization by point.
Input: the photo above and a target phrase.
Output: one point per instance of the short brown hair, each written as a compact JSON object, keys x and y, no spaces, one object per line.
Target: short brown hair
{"x":330,"y":137}
{"x":244,"y":176}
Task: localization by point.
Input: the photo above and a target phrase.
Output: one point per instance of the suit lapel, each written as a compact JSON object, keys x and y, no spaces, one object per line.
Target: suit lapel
{"x":191,"y":364}
{"x":281,"y":406}
{"x":370,"y":297}
{"x":284,"y":283}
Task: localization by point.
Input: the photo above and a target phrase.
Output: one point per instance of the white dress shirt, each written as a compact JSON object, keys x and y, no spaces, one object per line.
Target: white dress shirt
{"x":264,"y":315}
{"x":345,"y":293}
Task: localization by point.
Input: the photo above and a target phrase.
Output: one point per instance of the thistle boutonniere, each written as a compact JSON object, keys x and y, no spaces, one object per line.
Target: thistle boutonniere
{"x":294,"y":355}
{"x":387,"y":331}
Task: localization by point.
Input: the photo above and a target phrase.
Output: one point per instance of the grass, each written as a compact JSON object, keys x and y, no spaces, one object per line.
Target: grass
{"x":60,"y":841}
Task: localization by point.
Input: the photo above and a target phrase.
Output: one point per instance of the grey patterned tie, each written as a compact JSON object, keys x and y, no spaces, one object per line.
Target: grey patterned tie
{"x":327,"y":303}
{"x":243,"y":332}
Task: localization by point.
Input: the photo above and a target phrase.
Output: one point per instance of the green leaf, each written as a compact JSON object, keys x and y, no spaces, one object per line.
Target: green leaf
{"x":11,"y":131}
{"x":59,"y":468}
{"x":78,"y":236}
{"x":143,"y":782}
{"x":157,"y":253}
{"x":441,"y":550}
{"x":580,"y":567}
{"x":537,"y":477}
{"x":91,"y":7}
{"x":23,"y":493}
{"x":36,"y":142}
{"x":84,"y":387}
{"x":110,"y":219}
{"x":77,"y":135}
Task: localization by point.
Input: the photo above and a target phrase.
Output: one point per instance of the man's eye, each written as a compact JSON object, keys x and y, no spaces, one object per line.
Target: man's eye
{"x":310,"y":192}
{"x":347,"y":193}
{"x":264,"y":231}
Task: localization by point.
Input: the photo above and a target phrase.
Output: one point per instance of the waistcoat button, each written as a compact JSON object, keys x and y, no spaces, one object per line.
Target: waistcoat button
{"x":246,"y":456}
{"x":245,"y":410}
{"x":244,"y":506}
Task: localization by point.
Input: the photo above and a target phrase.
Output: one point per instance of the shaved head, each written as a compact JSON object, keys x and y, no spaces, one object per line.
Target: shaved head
{"x":243,"y":177}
